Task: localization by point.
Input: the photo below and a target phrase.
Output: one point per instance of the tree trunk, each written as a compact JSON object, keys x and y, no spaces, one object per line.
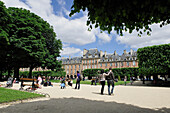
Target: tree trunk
{"x":143,"y":80}
{"x":9,"y":73}
{"x":16,"y":72}
{"x":1,"y":75}
{"x":30,"y":73}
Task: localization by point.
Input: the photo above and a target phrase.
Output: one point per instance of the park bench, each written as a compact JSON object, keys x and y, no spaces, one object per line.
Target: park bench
{"x":32,"y":86}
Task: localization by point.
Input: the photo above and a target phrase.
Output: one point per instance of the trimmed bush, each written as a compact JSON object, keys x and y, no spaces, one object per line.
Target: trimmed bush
{"x":118,"y":72}
{"x":44,"y":73}
{"x":154,"y":60}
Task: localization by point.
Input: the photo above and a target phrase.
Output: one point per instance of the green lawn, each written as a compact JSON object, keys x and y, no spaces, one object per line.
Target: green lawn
{"x":8,"y":95}
{"x":89,"y":82}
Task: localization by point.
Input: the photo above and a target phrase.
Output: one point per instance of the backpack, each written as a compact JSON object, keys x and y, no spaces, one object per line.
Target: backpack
{"x":80,"y":77}
{"x":110,"y":77}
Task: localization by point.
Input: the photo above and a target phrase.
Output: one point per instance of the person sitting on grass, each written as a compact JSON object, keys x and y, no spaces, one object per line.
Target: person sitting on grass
{"x":49,"y":83}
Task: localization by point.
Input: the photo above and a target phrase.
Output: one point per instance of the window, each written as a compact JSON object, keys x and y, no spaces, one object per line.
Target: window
{"x":89,"y":66}
{"x":105,"y":64}
{"x":79,"y":66}
{"x":75,"y":66}
{"x":67,"y":67}
{"x":133,"y":63}
{"x":116,"y":64}
{"x":93,"y":60}
{"x":110,"y":64}
{"x":101,"y":65}
{"x":127,"y":63}
{"x":121,"y":63}
{"x":89,"y":61}
{"x":95,"y":66}
{"x":71,"y":67}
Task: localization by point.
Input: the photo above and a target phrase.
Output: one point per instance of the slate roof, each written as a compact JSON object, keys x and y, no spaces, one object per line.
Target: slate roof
{"x":92,"y":53}
{"x":104,"y":58}
{"x":73,"y":60}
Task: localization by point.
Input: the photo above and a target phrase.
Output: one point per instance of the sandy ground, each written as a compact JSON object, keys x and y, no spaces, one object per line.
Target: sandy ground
{"x":126,"y":99}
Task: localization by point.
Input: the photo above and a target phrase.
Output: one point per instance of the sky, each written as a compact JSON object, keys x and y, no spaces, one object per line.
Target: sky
{"x":74,"y":34}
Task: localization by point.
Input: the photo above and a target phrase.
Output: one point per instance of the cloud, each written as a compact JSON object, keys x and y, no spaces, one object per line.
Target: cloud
{"x":158,"y":36}
{"x":103,"y":37}
{"x":70,"y":31}
{"x":61,"y":2}
{"x":15,"y":3}
{"x":71,"y":51}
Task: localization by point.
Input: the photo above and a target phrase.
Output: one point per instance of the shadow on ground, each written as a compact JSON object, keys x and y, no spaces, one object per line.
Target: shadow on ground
{"x":76,"y":105}
{"x":150,"y":84}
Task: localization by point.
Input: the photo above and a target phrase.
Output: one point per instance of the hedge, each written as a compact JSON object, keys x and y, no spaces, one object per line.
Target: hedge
{"x":154,"y":60}
{"x":122,"y":72}
{"x":118,"y":72}
{"x":44,"y":73}
{"x":91,"y":72}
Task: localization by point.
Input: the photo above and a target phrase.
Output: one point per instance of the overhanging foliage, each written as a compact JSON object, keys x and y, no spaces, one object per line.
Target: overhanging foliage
{"x":124,"y":15}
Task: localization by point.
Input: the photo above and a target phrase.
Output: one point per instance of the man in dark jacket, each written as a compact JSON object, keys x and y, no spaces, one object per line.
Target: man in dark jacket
{"x":110,"y":81}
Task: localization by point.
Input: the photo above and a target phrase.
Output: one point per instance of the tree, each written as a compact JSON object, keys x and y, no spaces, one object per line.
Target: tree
{"x":26,"y":41}
{"x":53,"y":47}
{"x":154,"y":60}
{"x":4,"y":40}
{"x":124,"y":15}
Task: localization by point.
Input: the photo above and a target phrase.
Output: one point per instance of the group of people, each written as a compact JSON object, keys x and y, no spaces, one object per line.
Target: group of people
{"x":43,"y":81}
{"x":109,"y":77}
{"x":110,"y":81}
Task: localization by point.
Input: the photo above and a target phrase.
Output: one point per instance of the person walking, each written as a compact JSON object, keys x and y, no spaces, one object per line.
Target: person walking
{"x":102,"y":80}
{"x":78,"y":80}
{"x":110,"y":81}
{"x":39,"y":81}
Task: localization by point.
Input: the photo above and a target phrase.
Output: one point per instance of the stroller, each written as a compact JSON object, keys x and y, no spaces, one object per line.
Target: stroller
{"x":9,"y":82}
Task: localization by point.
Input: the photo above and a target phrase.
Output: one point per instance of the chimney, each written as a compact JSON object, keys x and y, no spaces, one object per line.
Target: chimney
{"x":125,"y":51}
{"x":131,"y":51}
{"x":84,"y":51}
{"x":101,"y":53}
{"x":105,"y":53}
{"x":115,"y":52}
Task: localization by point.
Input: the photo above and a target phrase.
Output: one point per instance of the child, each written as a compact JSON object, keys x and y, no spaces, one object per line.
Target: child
{"x":125,"y":81}
{"x":62,"y":84}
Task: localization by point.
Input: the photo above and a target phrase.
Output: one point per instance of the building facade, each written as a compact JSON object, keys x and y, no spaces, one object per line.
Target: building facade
{"x":92,"y":58}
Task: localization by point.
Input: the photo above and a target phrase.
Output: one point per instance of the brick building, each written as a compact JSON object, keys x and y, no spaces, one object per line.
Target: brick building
{"x":92,"y":58}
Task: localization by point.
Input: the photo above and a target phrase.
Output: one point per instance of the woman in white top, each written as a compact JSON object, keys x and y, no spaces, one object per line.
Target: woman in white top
{"x":102,"y":80}
{"x":39,"y":81}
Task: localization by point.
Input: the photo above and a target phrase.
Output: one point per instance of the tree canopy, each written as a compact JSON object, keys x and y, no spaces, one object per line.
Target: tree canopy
{"x":124,"y":15}
{"x":154,"y":60}
{"x":27,"y":41}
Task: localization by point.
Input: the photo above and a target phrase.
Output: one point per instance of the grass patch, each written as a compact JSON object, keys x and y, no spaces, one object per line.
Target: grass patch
{"x":8,"y":95}
{"x":89,"y":82}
